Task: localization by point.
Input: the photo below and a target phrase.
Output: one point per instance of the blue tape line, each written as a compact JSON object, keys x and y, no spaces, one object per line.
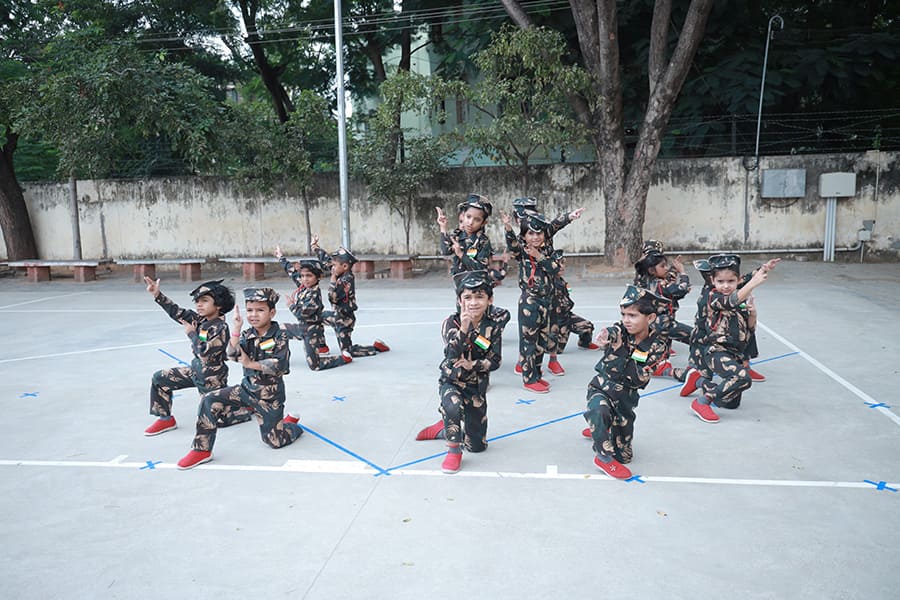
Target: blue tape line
{"x":175,"y":358}
{"x":413,"y":462}
{"x":151,"y":465}
{"x":881,"y":485}
{"x":636,"y":478}
{"x":345,"y":450}
{"x":877,"y":405}
{"x":338,"y":398}
{"x":522,"y":401}
{"x":29,"y":395}
{"x":765,"y":360}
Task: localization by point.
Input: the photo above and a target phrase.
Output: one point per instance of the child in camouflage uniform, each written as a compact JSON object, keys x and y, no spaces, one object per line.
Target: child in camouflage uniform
{"x":537,"y":268}
{"x":564,"y":322}
{"x":630,"y":348}
{"x":731,"y":319}
{"x":306,"y":304}
{"x":263,"y":351}
{"x":471,"y":352}
{"x":208,"y":332}
{"x":342,"y":295}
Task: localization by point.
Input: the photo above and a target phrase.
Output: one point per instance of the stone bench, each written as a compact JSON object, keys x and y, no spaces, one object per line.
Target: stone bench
{"x":401,"y":265}
{"x":254,"y":267}
{"x":39,"y":270}
{"x":188,"y":268}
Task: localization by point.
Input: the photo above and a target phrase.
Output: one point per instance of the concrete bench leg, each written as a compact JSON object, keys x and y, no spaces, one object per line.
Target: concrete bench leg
{"x":254,"y":271}
{"x":189,"y":272}
{"x":83,"y":274}
{"x":401,"y":269}
{"x":141,"y":271}
{"x":37,"y":274}
{"x":365,"y":269}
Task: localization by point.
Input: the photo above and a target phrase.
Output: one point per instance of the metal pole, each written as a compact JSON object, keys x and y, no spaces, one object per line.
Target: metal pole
{"x":762,"y":85}
{"x":342,"y":125}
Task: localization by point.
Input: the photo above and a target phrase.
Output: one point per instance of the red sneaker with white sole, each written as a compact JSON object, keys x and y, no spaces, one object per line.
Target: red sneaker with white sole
{"x":586,"y":433}
{"x":323,"y":350}
{"x":756,"y":377}
{"x":348,"y":358}
{"x":661,"y":368}
{"x":161,"y":426}
{"x":194,"y":458}
{"x":381,"y":346}
{"x":289,"y":418}
{"x":591,"y":346}
{"x":537,"y":387}
{"x":690,"y":382}
{"x":704,"y":412}
{"x":452,"y":462}
{"x":613,"y":468}
{"x":431,"y":432}
{"x":519,"y":368}
{"x":557,"y":369}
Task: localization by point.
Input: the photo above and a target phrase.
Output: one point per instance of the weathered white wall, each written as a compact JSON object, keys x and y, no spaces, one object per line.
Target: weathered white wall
{"x":693,"y":204}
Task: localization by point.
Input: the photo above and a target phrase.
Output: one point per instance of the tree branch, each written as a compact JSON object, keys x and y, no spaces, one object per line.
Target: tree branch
{"x":517,"y":14}
{"x":659,"y":38}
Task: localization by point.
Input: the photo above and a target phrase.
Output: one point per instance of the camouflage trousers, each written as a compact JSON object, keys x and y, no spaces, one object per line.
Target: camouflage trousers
{"x":464,"y":410}
{"x":674,"y":330}
{"x":611,"y":421}
{"x":500,"y":315}
{"x":534,"y":335}
{"x":343,"y":328}
{"x":564,"y":323}
{"x":313,"y":338}
{"x":735,"y":378}
{"x":266,"y":401}
{"x":167,"y":380}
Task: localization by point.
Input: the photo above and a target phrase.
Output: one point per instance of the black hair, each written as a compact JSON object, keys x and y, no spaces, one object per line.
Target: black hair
{"x":487,"y":288}
{"x":524,"y":228}
{"x":643,"y":266}
{"x":736,"y":269}
{"x":222,"y":297}
{"x":645,"y":305}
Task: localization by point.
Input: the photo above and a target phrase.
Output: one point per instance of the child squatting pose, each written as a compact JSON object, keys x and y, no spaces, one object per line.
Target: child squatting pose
{"x":208,"y":332}
{"x":471,"y":352}
{"x":262,"y":349}
{"x":630,"y":348}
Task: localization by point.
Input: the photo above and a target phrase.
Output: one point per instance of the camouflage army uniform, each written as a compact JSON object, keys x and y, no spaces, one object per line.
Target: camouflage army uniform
{"x":477,"y":253}
{"x":536,"y":282}
{"x":342,"y":295}
{"x":564,"y":322}
{"x":612,"y":394}
{"x":208,"y":370}
{"x":306,"y":304}
{"x":262,"y":390}
{"x":463,"y":391}
{"x":727,"y":339}
{"x":675,"y":287}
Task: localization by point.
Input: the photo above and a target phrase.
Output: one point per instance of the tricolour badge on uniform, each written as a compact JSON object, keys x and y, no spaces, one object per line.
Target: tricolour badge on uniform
{"x":639,"y":355}
{"x":482,"y":342}
{"x":472,"y":252}
{"x":203,"y":335}
{"x":267,"y":344}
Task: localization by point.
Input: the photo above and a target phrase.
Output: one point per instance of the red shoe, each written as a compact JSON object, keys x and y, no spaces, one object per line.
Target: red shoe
{"x":519,"y":368}
{"x":381,"y":346}
{"x":194,"y":458}
{"x":591,"y":346}
{"x":431,"y":432}
{"x":661,"y":368}
{"x":671,"y":351}
{"x":690,"y":382}
{"x":537,"y":387}
{"x":348,"y":358}
{"x":586,"y":433}
{"x":451,"y":462}
{"x":323,"y":350}
{"x":557,"y":369}
{"x":289,"y":418}
{"x":704,"y":412}
{"x":544,"y":382}
{"x":613,"y":468}
{"x":755,"y":376}
{"x":161,"y":426}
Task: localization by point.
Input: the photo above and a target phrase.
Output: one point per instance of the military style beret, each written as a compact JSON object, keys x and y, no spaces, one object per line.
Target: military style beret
{"x":264,"y":294}
{"x":472,"y":280}
{"x":651,"y":247}
{"x":634,"y":294}
{"x":344,"y":255}
{"x":207,"y":288}
{"x":723,"y":261}
{"x":702,"y":265}
{"x":536,"y":222}
{"x":477,"y":201}
{"x":312,"y":265}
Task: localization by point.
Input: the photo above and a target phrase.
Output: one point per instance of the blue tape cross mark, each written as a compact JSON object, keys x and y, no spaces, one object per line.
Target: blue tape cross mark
{"x":881,"y":485}
{"x":344,"y":450}
{"x":878,"y":405}
{"x":29,"y":395}
{"x":636,"y":478}
{"x":521,"y":401}
{"x":338,"y":398}
{"x":173,"y":357}
{"x":765,"y":360}
{"x":151,"y":465}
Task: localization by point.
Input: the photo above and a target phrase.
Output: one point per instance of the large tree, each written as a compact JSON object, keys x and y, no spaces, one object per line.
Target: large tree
{"x":625,"y":180}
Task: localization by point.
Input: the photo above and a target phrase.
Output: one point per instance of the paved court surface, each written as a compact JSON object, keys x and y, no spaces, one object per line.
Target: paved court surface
{"x":794,"y":495}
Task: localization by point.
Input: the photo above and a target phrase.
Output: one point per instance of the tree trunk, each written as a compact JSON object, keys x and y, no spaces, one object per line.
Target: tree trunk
{"x":281,"y":101}
{"x":305,"y":196}
{"x":14,"y":220}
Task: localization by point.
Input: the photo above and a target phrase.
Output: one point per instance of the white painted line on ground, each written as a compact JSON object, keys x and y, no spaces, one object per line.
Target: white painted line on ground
{"x":345,"y":467}
{"x":858,"y":392}
{"x":119,"y":458}
{"x":45,"y":299}
{"x":104,"y":349}
{"x":368,"y":325}
{"x":80,"y":310}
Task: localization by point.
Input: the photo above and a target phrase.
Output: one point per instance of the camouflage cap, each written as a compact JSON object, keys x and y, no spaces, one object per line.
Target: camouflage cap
{"x":702,"y":265}
{"x":477,"y":201}
{"x":558,"y":255}
{"x":723,"y":261}
{"x":521,"y":205}
{"x":207,"y":288}
{"x":472,"y":280}
{"x":312,"y":265}
{"x":651,"y":247}
{"x":344,"y":255}
{"x":634,"y":294}
{"x":536,"y":222}
{"x":264,"y":294}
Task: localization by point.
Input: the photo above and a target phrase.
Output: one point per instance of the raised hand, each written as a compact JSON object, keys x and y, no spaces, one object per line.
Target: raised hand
{"x":441,"y":219}
{"x":189,"y":327}
{"x":238,"y":319}
{"x":152,"y":286}
{"x":505,"y":219}
{"x":314,"y":243}
{"x":678,"y":264}
{"x":770,"y":264}
{"x":603,"y":338}
{"x":278,"y":253}
{"x":575,"y":214}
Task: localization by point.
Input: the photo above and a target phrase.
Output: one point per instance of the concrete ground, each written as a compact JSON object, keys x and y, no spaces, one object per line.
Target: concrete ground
{"x":794,"y":495}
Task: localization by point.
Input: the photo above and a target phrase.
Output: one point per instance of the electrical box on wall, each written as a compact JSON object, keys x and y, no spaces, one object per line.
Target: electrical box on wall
{"x":837,"y":185}
{"x":783,"y":183}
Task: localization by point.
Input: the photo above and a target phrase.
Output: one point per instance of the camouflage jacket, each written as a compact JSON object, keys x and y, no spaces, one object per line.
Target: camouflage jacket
{"x":271,"y":351}
{"x":476,"y":251}
{"x":675,"y":287}
{"x":624,"y":370}
{"x":482,"y":345}
{"x":727,"y":323}
{"x":562,"y":300}
{"x":208,"y":342}
{"x":341,"y":293}
{"x":536,"y":275}
{"x":293,"y":273}
{"x":306,"y":304}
